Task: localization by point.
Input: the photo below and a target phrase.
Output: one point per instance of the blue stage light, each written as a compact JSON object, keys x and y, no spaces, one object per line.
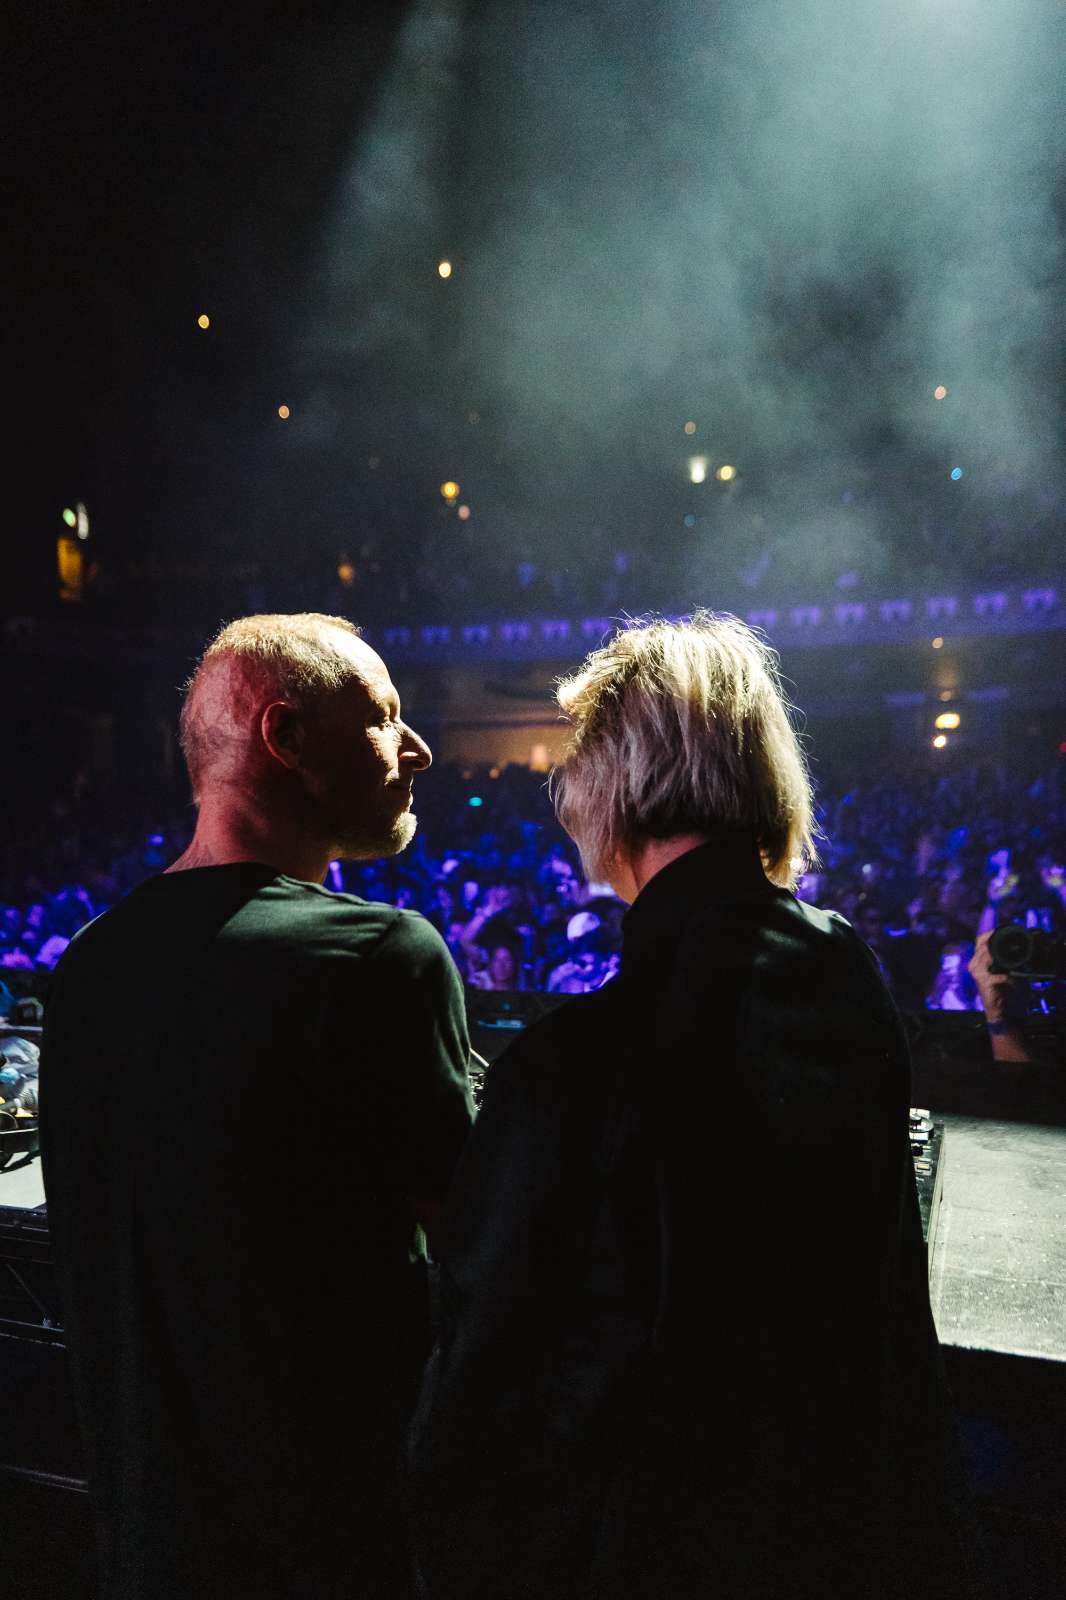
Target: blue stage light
{"x":475,"y":800}
{"x":956,"y":474}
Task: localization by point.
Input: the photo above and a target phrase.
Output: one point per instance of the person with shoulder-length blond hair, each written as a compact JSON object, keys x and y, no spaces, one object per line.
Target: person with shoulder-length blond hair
{"x":686,"y":1345}
{"x":680,"y":732}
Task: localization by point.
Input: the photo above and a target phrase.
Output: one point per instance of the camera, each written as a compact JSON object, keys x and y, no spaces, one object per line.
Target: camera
{"x":1031,"y":954}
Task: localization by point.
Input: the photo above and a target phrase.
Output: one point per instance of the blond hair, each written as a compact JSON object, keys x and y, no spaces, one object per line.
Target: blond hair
{"x":682,"y":728}
{"x":286,"y":655}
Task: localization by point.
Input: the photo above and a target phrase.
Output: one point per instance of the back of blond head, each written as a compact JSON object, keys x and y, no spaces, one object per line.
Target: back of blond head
{"x":683,"y":728}
{"x":287,"y":656}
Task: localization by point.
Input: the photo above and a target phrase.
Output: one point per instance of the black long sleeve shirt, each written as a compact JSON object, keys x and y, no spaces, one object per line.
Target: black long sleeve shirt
{"x":687,"y":1348}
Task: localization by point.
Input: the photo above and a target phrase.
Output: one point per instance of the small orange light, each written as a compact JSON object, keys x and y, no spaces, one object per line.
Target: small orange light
{"x":203,"y":320}
{"x":464,"y":513}
{"x":938,"y":643}
{"x":450,"y":489}
{"x":939,"y":393}
{"x":726,"y":474}
{"x":283,"y":412}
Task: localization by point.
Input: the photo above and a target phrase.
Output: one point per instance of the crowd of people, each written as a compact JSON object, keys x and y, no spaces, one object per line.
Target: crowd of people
{"x":920,"y":862}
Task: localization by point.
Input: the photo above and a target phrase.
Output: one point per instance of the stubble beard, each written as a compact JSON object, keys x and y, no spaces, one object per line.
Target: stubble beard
{"x":389,"y":839}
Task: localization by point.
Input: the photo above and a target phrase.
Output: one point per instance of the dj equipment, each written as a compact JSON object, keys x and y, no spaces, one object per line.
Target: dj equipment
{"x":927,"y":1149}
{"x":29,"y":1305}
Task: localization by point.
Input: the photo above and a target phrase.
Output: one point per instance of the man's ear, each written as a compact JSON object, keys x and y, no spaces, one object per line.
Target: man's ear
{"x":283,"y":732}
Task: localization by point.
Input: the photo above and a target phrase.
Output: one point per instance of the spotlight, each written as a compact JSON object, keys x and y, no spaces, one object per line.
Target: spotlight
{"x":697,"y":469}
{"x":444,"y":269}
{"x":450,"y":490}
{"x":948,"y":719}
{"x":726,"y":474}
{"x":940,"y":741}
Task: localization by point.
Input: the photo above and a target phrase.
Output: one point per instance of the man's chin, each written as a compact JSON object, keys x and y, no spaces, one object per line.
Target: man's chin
{"x":403,"y":831}
{"x":390,"y":842}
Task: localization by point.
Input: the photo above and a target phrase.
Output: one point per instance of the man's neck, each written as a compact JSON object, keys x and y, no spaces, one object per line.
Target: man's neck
{"x":225,"y":837}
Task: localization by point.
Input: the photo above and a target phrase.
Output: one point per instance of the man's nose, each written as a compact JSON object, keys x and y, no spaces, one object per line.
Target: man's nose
{"x":415,"y":752}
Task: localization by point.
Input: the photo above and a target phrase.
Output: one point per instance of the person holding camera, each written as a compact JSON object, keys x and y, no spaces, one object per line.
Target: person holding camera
{"x":998,"y":991}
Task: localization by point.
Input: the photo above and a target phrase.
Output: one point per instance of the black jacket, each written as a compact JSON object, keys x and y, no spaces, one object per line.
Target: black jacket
{"x":686,"y":1342}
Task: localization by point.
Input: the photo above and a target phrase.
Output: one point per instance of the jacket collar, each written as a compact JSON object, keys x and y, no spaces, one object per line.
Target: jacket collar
{"x":725,"y":868}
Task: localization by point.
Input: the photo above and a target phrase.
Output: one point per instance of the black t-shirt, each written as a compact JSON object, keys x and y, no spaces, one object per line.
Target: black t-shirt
{"x":244,"y":1077}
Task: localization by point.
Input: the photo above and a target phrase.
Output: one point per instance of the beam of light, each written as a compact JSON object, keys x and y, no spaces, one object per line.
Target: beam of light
{"x":389,"y":200}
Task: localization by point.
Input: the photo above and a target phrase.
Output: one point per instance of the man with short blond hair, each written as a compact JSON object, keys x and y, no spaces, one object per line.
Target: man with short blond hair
{"x":239,"y":1154}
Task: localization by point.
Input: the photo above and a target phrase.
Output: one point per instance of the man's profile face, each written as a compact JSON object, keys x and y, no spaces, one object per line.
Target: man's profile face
{"x":360,"y":759}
